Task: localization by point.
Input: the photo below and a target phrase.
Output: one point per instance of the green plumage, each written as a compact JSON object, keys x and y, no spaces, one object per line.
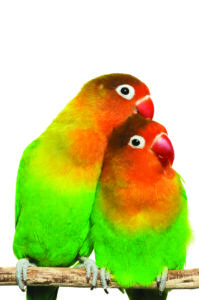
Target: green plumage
{"x":138,"y":258}
{"x":47,"y":231}
{"x":59,"y":171}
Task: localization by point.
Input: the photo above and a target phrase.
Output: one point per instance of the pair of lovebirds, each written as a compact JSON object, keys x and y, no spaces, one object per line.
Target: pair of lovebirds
{"x":101,"y":177}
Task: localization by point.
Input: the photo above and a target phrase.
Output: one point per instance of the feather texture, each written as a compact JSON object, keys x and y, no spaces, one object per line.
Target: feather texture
{"x":140,"y":216}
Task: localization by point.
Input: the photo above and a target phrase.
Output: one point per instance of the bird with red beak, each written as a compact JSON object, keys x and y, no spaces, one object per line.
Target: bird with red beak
{"x":140,"y":224}
{"x":59,"y":172}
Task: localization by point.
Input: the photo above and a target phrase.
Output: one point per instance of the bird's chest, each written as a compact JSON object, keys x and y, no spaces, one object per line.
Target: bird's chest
{"x":139,"y":206}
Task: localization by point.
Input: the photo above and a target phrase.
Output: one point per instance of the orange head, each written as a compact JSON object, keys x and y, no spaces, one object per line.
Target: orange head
{"x":115,"y":97}
{"x":137,"y":183}
{"x":140,"y":148}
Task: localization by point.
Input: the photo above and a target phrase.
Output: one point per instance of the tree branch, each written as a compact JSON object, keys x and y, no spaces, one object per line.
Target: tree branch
{"x":68,"y":277}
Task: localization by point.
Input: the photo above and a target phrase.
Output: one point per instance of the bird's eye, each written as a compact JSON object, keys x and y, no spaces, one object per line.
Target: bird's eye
{"x":137,"y":141}
{"x":126,"y":91}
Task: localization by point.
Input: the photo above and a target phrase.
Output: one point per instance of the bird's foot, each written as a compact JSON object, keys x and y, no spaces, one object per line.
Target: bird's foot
{"x":161,"y":280}
{"x":90,"y":266}
{"x":105,"y":279}
{"x":21,"y":272}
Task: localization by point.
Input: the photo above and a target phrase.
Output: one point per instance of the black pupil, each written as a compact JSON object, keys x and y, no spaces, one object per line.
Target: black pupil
{"x":135,"y":142}
{"x":125,"y":91}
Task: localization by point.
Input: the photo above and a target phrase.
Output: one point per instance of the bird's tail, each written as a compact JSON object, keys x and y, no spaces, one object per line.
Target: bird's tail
{"x":41,"y":292}
{"x":145,"y":294}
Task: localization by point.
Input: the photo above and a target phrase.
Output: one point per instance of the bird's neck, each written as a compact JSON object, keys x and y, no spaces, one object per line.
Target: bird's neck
{"x":138,"y":205}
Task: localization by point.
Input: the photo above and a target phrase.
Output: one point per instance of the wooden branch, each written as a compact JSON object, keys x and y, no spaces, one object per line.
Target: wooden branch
{"x":71,"y":277}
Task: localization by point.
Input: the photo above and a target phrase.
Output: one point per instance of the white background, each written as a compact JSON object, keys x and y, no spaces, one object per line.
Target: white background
{"x":50,"y":48}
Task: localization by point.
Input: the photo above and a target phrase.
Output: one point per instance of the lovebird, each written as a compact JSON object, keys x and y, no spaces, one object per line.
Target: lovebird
{"x":58,"y":175}
{"x":140,"y":225}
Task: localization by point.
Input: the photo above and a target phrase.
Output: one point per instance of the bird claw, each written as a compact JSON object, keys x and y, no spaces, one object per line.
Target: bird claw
{"x":21,"y":272}
{"x":105,"y":279}
{"x":90,"y":266}
{"x":161,"y":280}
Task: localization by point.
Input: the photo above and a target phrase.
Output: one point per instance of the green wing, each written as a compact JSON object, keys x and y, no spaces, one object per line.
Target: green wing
{"x":21,"y":177}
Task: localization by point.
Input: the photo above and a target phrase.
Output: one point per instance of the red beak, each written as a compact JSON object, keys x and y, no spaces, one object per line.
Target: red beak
{"x":163,"y":148}
{"x":145,"y":107}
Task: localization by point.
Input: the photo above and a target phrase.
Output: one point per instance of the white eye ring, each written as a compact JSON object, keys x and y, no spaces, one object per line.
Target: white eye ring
{"x":137,"y":141}
{"x":126,"y":91}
